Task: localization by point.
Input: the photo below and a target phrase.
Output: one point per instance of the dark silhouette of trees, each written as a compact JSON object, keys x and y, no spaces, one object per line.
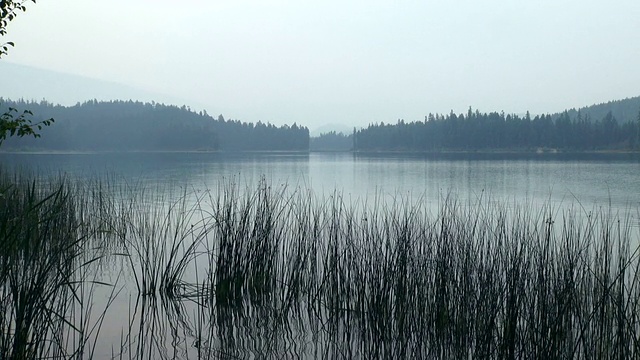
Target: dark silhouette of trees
{"x":331,"y":141}
{"x":237,"y":135}
{"x":624,"y":110}
{"x":477,"y":131}
{"x":136,"y":126}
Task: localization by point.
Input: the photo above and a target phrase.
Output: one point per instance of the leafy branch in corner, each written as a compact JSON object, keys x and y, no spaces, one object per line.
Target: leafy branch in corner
{"x":8,"y":11}
{"x":12,"y":123}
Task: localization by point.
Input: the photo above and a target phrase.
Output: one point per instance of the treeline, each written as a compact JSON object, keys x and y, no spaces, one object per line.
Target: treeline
{"x":495,"y":131}
{"x":331,"y":141}
{"x":236,"y":135}
{"x":624,"y":111}
{"x":136,"y":126}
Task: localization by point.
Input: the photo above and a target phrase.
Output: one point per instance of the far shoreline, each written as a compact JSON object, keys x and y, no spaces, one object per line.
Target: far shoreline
{"x":542,"y":153}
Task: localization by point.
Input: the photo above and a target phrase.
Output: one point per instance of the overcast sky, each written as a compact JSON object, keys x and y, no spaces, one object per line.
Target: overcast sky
{"x":348,"y":62}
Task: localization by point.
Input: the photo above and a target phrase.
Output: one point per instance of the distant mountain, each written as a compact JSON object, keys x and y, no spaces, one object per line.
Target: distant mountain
{"x":136,"y":126}
{"x":328,"y":128}
{"x":30,"y":83}
{"x":624,"y":111}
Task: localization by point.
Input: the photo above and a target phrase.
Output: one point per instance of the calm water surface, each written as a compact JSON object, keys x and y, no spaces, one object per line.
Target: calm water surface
{"x":606,"y":181}
{"x":590,"y":180}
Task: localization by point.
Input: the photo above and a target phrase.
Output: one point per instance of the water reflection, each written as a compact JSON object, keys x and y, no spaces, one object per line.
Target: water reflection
{"x":396,"y":257}
{"x":588,"y":178}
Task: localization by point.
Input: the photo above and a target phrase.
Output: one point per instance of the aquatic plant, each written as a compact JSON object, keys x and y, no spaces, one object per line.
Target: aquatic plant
{"x":45,"y":276}
{"x":273,"y":271}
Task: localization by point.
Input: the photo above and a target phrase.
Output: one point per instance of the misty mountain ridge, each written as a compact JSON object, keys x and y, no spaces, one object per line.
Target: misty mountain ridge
{"x":30,"y":83}
{"x":625,"y":110}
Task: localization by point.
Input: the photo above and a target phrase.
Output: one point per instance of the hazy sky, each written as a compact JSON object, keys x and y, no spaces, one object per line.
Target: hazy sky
{"x":351,"y":62}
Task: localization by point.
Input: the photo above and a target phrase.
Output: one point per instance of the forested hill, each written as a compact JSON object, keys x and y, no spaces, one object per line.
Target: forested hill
{"x":496,"y":131}
{"x":623,"y":110}
{"x":136,"y":126}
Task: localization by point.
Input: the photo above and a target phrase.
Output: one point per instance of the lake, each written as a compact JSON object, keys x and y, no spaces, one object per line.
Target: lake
{"x":306,"y":285}
{"x":560,"y":179}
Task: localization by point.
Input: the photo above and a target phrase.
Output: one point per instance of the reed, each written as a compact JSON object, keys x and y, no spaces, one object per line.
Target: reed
{"x":159,"y":236}
{"x":45,"y":279}
{"x":272,"y":271}
{"x":475,"y":280}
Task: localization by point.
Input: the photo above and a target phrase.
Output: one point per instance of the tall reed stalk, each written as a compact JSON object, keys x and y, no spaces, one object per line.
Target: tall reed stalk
{"x":478,"y":279}
{"x":280,"y":272}
{"x":44,"y":271}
